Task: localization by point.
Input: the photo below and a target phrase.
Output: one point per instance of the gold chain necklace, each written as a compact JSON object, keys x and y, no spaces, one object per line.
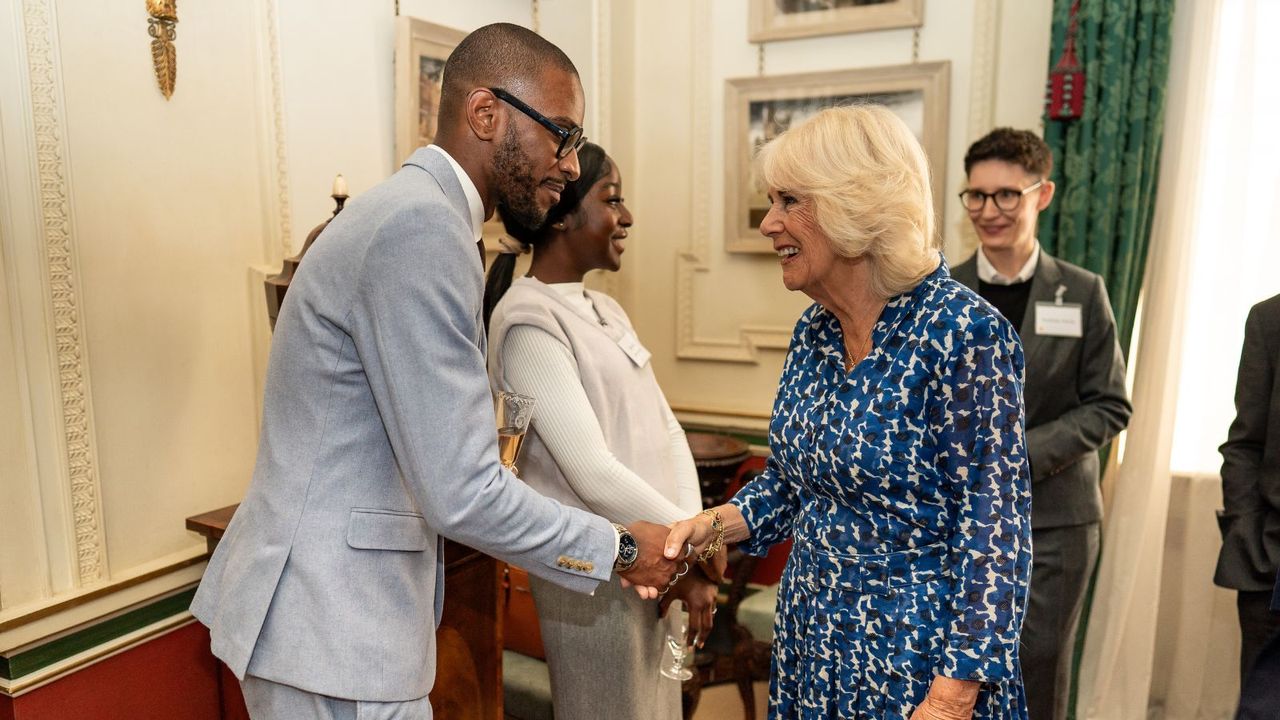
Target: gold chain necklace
{"x":864,"y":347}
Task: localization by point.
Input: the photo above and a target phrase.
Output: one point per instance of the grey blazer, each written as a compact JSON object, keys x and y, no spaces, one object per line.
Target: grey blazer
{"x":1250,"y":522}
{"x":1074,"y":393}
{"x":378,"y":438}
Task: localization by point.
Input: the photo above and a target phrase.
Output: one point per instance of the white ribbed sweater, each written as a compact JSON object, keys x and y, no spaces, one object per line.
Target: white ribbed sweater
{"x":533,"y":362}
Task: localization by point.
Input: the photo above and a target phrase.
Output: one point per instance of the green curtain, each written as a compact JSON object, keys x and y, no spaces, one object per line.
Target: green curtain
{"x":1106,"y":162}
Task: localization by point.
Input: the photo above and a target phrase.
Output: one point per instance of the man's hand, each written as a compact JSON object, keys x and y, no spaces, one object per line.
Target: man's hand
{"x":698,"y":593}
{"x":652,"y":570}
{"x":715,"y":567}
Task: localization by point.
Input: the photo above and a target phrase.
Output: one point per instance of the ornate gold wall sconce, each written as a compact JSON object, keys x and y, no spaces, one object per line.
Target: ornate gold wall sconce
{"x":160,"y":26}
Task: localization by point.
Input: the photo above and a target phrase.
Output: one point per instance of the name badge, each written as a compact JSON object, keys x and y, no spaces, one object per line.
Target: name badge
{"x":1059,"y":320}
{"x":630,"y":345}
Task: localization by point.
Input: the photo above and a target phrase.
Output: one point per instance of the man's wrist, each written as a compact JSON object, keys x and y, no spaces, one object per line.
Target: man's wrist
{"x":628,"y":551}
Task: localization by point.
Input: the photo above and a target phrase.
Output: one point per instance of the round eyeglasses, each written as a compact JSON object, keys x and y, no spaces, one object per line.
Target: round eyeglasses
{"x":1006,"y":199}
{"x":570,"y":139}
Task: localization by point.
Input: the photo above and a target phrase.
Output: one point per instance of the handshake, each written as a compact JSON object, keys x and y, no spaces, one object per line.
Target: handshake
{"x":665,"y":554}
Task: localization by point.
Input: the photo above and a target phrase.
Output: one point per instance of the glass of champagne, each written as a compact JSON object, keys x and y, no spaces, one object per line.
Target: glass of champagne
{"x":677,"y":653}
{"x":513,"y":412}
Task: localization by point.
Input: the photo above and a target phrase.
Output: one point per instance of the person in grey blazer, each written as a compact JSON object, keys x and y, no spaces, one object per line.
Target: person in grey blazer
{"x":378,"y":435}
{"x":1075,"y":396}
{"x":1250,"y":521}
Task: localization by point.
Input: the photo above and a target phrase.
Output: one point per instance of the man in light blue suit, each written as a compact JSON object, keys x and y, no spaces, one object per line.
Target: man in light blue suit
{"x":378,"y":435}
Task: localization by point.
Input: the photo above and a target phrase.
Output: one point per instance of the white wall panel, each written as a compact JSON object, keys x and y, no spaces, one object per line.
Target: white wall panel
{"x":168,"y":211}
{"x":337,"y":60}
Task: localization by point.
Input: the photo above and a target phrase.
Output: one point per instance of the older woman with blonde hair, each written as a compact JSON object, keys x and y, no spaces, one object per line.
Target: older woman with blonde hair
{"x":897,"y":460}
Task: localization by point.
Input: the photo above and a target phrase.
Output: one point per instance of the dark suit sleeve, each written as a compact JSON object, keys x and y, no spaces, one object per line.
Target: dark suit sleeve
{"x":1104,"y":408}
{"x":1242,"y":487}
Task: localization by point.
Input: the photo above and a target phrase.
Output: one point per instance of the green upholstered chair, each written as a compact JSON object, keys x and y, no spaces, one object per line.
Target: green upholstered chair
{"x":526,"y":687}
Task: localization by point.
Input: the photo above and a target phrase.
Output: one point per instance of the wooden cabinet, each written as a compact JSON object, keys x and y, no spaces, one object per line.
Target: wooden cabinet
{"x":469,"y":639}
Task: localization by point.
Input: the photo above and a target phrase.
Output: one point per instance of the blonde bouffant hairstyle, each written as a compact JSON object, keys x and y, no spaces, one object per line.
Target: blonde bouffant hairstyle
{"x":868,"y":181}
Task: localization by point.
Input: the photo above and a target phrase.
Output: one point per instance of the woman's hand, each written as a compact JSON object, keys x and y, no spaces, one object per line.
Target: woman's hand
{"x":699,"y":532}
{"x":696,"y":532}
{"x":699,"y":596}
{"x":948,"y":699}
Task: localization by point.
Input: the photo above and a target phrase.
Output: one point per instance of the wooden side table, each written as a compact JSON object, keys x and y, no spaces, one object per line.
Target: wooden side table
{"x":717,"y":458}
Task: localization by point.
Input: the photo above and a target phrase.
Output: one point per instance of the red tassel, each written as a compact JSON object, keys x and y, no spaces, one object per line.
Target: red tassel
{"x":1065,"y":99}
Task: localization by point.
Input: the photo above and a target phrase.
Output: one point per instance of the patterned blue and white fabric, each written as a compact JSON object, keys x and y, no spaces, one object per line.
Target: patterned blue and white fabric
{"x":905,"y":485}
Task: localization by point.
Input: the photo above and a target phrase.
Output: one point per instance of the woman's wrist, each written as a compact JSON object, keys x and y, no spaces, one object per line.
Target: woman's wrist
{"x":716,"y":533}
{"x":954,"y":695}
{"x":735,"y":526}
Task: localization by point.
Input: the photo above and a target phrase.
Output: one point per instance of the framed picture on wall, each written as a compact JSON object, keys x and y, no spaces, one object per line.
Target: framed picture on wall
{"x":421,"y":49}
{"x":758,"y":109}
{"x":786,"y":19}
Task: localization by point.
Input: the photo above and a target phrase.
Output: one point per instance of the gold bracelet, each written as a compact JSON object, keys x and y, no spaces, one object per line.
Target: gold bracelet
{"x":717,"y":527}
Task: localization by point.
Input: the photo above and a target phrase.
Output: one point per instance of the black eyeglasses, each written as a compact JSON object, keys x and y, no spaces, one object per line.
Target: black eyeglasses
{"x":570,"y":139}
{"x":1006,"y":199}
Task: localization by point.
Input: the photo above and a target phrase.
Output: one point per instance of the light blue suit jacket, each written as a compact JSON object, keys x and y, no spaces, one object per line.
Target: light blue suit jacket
{"x":377,"y":439}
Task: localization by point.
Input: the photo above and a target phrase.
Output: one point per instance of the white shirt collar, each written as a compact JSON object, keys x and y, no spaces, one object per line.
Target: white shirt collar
{"x":987,"y":272}
{"x":474,"y":203}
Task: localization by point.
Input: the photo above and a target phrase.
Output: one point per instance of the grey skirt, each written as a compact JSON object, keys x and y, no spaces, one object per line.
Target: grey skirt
{"x":604,"y":652}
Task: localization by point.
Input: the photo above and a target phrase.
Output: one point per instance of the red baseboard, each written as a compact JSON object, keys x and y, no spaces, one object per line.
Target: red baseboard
{"x":171,"y":677}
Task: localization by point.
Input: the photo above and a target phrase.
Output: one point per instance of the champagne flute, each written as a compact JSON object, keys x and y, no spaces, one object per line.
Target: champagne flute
{"x":513,"y":411}
{"x":676,"y":653}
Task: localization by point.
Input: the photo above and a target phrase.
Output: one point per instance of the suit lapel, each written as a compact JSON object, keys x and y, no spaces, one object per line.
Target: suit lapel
{"x":1044,"y":285}
{"x":966,"y":273}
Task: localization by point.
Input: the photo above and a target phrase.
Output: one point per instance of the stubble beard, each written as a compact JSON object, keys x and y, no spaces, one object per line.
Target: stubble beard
{"x":517,"y":186}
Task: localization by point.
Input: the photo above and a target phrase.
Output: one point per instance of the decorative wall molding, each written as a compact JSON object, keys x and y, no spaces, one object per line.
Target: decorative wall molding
{"x":280,"y":158}
{"x":602,"y":94}
{"x":982,"y":75}
{"x":69,"y":345}
{"x":754,"y":425}
{"x":693,"y":261}
{"x":602,"y":33}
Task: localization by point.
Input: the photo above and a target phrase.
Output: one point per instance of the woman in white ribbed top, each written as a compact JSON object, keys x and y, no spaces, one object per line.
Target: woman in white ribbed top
{"x":603,"y":438}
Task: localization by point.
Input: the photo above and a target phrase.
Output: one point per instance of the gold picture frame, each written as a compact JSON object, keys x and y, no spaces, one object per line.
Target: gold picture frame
{"x":421,"y":50}
{"x":756,"y":109}
{"x":789,"y":19}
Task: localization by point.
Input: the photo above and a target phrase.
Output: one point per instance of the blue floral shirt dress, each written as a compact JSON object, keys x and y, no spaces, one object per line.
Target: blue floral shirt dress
{"x":905,"y":486}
